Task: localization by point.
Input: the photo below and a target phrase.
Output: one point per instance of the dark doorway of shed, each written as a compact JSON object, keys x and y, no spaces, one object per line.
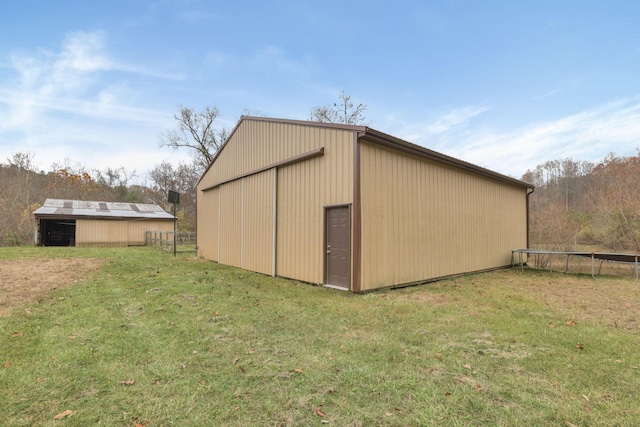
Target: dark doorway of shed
{"x":58,"y":232}
{"x":338,"y":248}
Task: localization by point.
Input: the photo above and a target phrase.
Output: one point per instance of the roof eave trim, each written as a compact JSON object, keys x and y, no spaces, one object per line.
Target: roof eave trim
{"x":97,"y":217}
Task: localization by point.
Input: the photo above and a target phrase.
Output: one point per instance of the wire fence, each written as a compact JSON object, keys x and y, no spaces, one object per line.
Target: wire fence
{"x":163,"y":240}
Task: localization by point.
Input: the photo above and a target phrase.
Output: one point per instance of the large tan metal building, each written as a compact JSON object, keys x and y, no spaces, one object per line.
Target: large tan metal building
{"x":88,"y":223}
{"x":354,"y":208}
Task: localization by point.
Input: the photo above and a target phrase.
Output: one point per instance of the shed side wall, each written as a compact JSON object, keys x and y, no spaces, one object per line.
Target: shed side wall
{"x":138,"y":229}
{"x":102,"y":232}
{"x":423,"y":220}
{"x":91,"y":232}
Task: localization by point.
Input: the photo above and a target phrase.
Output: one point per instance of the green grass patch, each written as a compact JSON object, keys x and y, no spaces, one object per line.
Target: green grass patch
{"x":149,"y":338}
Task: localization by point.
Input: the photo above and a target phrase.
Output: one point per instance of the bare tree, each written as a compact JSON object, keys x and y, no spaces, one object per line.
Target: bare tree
{"x":198,"y":133}
{"x":183,"y":179}
{"x":344,"y":111}
{"x":20,"y":186}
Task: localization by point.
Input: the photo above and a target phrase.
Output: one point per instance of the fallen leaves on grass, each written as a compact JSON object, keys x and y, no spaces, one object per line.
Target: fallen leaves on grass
{"x":64,"y":414}
{"x":320,"y":412}
{"x":128,"y":382}
{"x":571,"y":323}
{"x":16,"y":334}
{"x":139,"y":424}
{"x":6,"y":364}
{"x":580,"y":346}
{"x":235,"y":360}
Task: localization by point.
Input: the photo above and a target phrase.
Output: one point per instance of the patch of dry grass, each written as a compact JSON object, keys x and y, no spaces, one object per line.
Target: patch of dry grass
{"x":27,"y":279}
{"x":606,"y":300}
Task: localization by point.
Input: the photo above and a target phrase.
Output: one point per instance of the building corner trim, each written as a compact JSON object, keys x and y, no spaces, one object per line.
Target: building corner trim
{"x":356,"y":246}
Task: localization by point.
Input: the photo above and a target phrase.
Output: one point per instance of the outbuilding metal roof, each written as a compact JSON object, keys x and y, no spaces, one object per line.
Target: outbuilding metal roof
{"x":58,"y":208}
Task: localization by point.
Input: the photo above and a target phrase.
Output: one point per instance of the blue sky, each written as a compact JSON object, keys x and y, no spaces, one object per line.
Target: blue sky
{"x":503,"y":84}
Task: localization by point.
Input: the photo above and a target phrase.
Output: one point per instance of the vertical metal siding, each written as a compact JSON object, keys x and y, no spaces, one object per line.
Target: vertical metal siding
{"x":137,"y":230}
{"x":422,"y":220}
{"x":230,"y":223}
{"x":257,"y":223}
{"x":256,"y":144}
{"x":303,"y":190}
{"x":207,"y":228}
{"x":101,"y":233}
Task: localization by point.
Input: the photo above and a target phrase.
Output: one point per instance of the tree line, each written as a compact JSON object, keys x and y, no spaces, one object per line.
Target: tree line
{"x":581,"y":205}
{"x":23,"y":187}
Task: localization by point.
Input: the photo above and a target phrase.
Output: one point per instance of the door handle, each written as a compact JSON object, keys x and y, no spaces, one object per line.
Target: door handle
{"x":328,"y":249}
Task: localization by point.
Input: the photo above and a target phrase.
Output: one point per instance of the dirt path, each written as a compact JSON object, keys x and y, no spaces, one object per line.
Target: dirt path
{"x":23,"y":280}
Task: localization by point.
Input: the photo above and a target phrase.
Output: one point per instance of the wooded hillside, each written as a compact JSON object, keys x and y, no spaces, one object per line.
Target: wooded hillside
{"x":576,"y":205}
{"x":581,"y":205}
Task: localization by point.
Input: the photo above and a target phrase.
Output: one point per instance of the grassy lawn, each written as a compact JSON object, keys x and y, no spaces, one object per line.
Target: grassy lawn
{"x":145,"y":339}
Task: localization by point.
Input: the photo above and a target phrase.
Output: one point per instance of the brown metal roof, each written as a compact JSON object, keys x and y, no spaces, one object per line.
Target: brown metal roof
{"x":377,"y":137}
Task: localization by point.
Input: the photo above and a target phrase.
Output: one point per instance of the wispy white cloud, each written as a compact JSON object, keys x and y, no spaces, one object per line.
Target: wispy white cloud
{"x":454,"y":119}
{"x":589,"y":135}
{"x":79,"y":101}
{"x":276,"y":59}
{"x":446,"y":123}
{"x":546,"y":95}
{"x":70,"y":82}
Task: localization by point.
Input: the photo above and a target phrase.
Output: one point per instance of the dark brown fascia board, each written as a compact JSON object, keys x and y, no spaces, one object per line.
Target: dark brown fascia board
{"x":291,"y":160}
{"x":392,"y":142}
{"x":224,"y":144}
{"x":307,"y":123}
{"x":283,"y":121}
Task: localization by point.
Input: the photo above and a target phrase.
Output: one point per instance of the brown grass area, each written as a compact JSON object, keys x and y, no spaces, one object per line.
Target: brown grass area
{"x":605,"y":300}
{"x":23,"y":280}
